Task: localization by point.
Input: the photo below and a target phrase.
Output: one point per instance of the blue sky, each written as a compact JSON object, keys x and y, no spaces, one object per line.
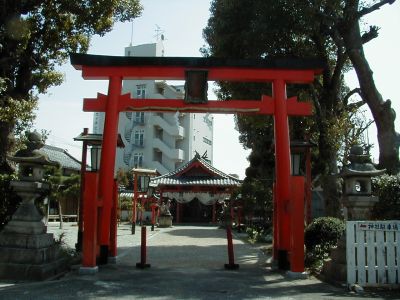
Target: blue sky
{"x":60,"y":111}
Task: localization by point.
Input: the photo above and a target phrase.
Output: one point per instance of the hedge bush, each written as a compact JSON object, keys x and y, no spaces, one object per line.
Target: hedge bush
{"x":320,"y":236}
{"x":9,"y":200}
{"x":387,"y":188}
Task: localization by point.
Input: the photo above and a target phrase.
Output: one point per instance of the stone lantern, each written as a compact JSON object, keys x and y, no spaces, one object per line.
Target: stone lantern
{"x":27,"y":251}
{"x":357,"y":197}
{"x":357,"y":201}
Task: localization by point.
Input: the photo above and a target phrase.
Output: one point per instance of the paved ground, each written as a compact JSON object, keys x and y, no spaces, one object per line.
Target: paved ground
{"x":186,"y":263}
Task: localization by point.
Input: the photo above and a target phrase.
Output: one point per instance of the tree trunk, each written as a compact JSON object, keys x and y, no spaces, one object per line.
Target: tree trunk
{"x":6,"y":142}
{"x":60,"y":215}
{"x":384,"y":116}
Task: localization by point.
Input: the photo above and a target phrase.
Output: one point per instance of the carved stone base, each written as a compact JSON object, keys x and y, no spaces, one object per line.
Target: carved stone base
{"x":165,"y":221}
{"x":335,"y":268}
{"x":27,"y":252}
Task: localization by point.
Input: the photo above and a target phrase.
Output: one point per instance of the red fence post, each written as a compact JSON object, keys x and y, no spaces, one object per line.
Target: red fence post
{"x":231,"y":257}
{"x":143,"y":251}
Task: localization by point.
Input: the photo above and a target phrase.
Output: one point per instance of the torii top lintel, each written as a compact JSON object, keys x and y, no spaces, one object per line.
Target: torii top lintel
{"x":288,"y":70}
{"x":292,"y":70}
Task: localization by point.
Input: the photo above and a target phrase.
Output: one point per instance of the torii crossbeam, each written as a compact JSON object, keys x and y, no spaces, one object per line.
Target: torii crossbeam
{"x":289,"y":190}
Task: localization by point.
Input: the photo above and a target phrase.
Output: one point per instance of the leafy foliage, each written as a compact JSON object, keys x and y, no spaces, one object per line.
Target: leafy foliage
{"x":125,"y":203}
{"x":267,"y":29}
{"x":387,"y":188}
{"x":320,"y":236}
{"x":9,"y":200}
{"x":62,"y":187}
{"x":36,"y":37}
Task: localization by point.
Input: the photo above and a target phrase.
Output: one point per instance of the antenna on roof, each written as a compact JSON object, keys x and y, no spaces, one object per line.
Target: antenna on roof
{"x":159,"y":34}
{"x":131,"y":35}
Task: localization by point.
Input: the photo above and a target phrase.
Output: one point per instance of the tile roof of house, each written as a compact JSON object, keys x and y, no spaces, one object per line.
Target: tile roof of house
{"x":66,"y":160}
{"x":178,"y":177}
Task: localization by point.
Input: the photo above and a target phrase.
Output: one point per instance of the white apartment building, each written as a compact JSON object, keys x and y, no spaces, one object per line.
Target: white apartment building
{"x":162,"y":141}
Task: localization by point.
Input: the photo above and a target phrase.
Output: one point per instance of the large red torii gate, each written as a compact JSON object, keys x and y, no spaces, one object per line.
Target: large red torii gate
{"x":99,"y":211}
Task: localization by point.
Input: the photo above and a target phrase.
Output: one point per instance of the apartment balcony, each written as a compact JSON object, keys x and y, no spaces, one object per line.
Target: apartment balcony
{"x":127,"y":157}
{"x":171,"y":153}
{"x":173,"y":130}
{"x":127,"y":134}
{"x":136,"y":145}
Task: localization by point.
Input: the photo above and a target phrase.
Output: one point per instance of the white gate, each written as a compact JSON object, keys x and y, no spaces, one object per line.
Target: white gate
{"x":373,"y":252}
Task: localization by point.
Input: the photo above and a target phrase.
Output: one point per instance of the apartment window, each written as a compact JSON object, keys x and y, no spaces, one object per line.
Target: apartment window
{"x":207,"y":141}
{"x":141,"y":91}
{"x":139,"y":135}
{"x":139,"y":117}
{"x":138,"y":160}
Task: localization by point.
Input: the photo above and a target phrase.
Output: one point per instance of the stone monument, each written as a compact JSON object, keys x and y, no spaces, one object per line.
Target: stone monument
{"x":357,"y":201}
{"x":165,"y":219}
{"x":27,"y":252}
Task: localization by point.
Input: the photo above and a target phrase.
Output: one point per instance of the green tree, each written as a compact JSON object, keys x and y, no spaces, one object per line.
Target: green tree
{"x":266,"y":29}
{"x":36,"y":37}
{"x":62,"y":187}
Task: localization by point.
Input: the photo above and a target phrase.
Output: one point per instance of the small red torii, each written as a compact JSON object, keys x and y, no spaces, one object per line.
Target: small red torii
{"x":288,"y":190}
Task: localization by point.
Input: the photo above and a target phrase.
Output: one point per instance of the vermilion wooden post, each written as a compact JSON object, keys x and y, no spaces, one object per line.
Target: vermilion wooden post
{"x":275,"y":244}
{"x":282,"y":166}
{"x":143,"y":251}
{"x":308,"y":186}
{"x":113,"y":224}
{"x":231,"y":257}
{"x":297,"y":224}
{"x":90,"y":219}
{"x":107,"y":162}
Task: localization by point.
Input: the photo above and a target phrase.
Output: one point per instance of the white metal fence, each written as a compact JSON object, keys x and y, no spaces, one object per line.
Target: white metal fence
{"x":373,"y":252}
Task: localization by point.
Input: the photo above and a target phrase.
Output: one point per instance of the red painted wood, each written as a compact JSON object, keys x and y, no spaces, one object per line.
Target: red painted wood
{"x":143,"y":250}
{"x":275,"y":221}
{"x":89,"y":250}
{"x":297,"y":224}
{"x":107,"y":162}
{"x":113,"y":223}
{"x":214,"y":73}
{"x":282,"y":158}
{"x":135,"y":197}
{"x":231,"y":256}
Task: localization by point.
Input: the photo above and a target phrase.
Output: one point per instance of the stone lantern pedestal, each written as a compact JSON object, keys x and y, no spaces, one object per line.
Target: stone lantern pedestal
{"x":357,"y":202}
{"x":27,"y":251}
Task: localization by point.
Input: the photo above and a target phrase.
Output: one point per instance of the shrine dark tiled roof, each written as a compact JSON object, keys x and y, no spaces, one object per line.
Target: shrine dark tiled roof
{"x":178,"y":177}
{"x":66,"y":160}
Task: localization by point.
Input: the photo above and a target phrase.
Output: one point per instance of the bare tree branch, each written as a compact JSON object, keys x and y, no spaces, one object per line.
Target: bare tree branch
{"x":355,"y":105}
{"x":370,"y":35}
{"x":374,"y":7}
{"x":351,"y":93}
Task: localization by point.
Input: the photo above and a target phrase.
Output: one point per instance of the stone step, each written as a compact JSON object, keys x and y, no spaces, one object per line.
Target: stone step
{"x":29,"y":256}
{"x":15,"y":271}
{"x":26,"y":241}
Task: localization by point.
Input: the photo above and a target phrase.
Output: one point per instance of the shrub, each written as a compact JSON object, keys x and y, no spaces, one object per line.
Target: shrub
{"x":387,"y":188}
{"x":125,"y":203}
{"x":320,"y":236}
{"x":257,"y":234}
{"x":9,"y":200}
